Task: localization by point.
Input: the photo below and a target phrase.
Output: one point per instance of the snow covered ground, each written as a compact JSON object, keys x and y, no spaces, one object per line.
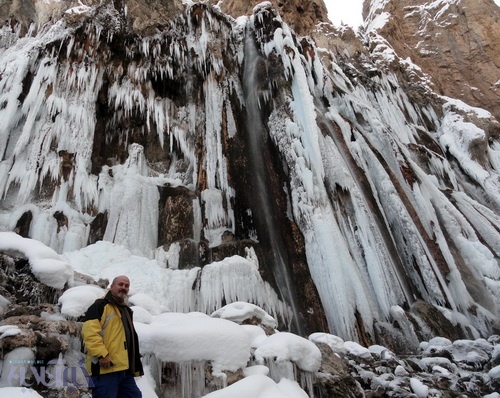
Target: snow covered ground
{"x":271,"y":363}
{"x":173,"y":336}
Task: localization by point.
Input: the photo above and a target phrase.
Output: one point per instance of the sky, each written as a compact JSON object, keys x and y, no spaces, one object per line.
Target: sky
{"x":349,"y":12}
{"x":346,"y":12}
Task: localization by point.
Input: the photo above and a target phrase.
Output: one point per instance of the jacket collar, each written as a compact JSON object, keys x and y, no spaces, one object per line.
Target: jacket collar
{"x":110,"y":298}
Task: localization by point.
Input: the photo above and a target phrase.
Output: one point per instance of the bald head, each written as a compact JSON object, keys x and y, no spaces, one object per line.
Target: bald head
{"x":119,"y":288}
{"x":119,"y":278}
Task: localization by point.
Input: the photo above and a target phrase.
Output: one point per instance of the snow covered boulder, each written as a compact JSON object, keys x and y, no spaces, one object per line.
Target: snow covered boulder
{"x":148,"y":303}
{"x":471,"y":354}
{"x":431,"y":363}
{"x":241,"y":312}
{"x":381,"y":353}
{"x":437,"y":347}
{"x":283,"y":346}
{"x":75,"y":301}
{"x":260,"y":386}
{"x":419,"y":388}
{"x":357,"y":350}
{"x":9,"y":330}
{"x":179,"y":338}
{"x":47,"y":266}
{"x":332,"y":341}
{"x":141,"y":314}
{"x":495,"y":356}
{"x":494,"y":375}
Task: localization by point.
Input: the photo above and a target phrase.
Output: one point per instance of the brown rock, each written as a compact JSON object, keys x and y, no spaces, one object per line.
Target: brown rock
{"x":146,"y":16}
{"x":458,"y":45}
{"x":23,"y":224}
{"x":334,"y":379}
{"x":176,"y":214}
{"x":48,"y":347}
{"x":28,"y":11}
{"x":27,"y":338}
{"x":143,"y":16}
{"x":341,"y":41}
{"x":302,"y":16}
{"x":436,"y":321}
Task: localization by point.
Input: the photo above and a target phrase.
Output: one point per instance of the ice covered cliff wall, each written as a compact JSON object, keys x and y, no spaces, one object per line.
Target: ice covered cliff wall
{"x":137,"y":134}
{"x":379,"y":222}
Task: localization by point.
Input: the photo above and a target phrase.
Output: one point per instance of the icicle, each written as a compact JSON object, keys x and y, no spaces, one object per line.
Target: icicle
{"x":219,"y":281}
{"x":136,"y":226}
{"x":197,"y":223}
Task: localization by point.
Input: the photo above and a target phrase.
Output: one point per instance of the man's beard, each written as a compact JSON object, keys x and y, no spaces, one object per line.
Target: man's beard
{"x":122,"y":299}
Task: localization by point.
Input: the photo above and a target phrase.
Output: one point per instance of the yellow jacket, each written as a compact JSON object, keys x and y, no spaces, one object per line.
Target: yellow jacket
{"x":103,"y":333}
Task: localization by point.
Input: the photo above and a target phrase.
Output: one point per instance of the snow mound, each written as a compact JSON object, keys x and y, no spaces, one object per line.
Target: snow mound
{"x":240,"y":311}
{"x":176,"y":337}
{"x":260,"y":386}
{"x":284,"y":346}
{"x":75,"y":301}
{"x":47,"y":266}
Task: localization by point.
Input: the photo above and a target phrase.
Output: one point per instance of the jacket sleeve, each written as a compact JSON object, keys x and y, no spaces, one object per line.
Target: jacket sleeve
{"x":92,"y":330}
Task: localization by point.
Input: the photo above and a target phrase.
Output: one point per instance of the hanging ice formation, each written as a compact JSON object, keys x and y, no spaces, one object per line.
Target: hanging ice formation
{"x":375,"y":201}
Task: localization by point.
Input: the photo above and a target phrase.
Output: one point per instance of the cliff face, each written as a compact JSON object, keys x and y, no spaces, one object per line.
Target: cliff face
{"x":142,"y":16}
{"x":302,"y":16}
{"x":249,"y":152}
{"x":455,"y":42}
{"x":146,"y":16}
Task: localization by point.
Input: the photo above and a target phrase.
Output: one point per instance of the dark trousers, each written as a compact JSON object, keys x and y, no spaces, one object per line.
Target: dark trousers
{"x":115,"y":385}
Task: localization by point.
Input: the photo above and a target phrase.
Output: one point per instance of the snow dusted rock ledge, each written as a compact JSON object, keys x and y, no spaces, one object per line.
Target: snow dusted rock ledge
{"x":46,"y":264}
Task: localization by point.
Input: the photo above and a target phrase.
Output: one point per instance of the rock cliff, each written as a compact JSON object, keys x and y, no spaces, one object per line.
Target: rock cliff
{"x":454,"y":42}
{"x":302,"y":16}
{"x":239,"y":151}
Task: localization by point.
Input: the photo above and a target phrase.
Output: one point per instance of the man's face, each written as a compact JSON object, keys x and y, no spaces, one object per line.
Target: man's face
{"x":119,"y":288}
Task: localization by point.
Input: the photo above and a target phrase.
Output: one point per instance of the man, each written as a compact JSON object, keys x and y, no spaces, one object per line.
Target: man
{"x":112,"y":345}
